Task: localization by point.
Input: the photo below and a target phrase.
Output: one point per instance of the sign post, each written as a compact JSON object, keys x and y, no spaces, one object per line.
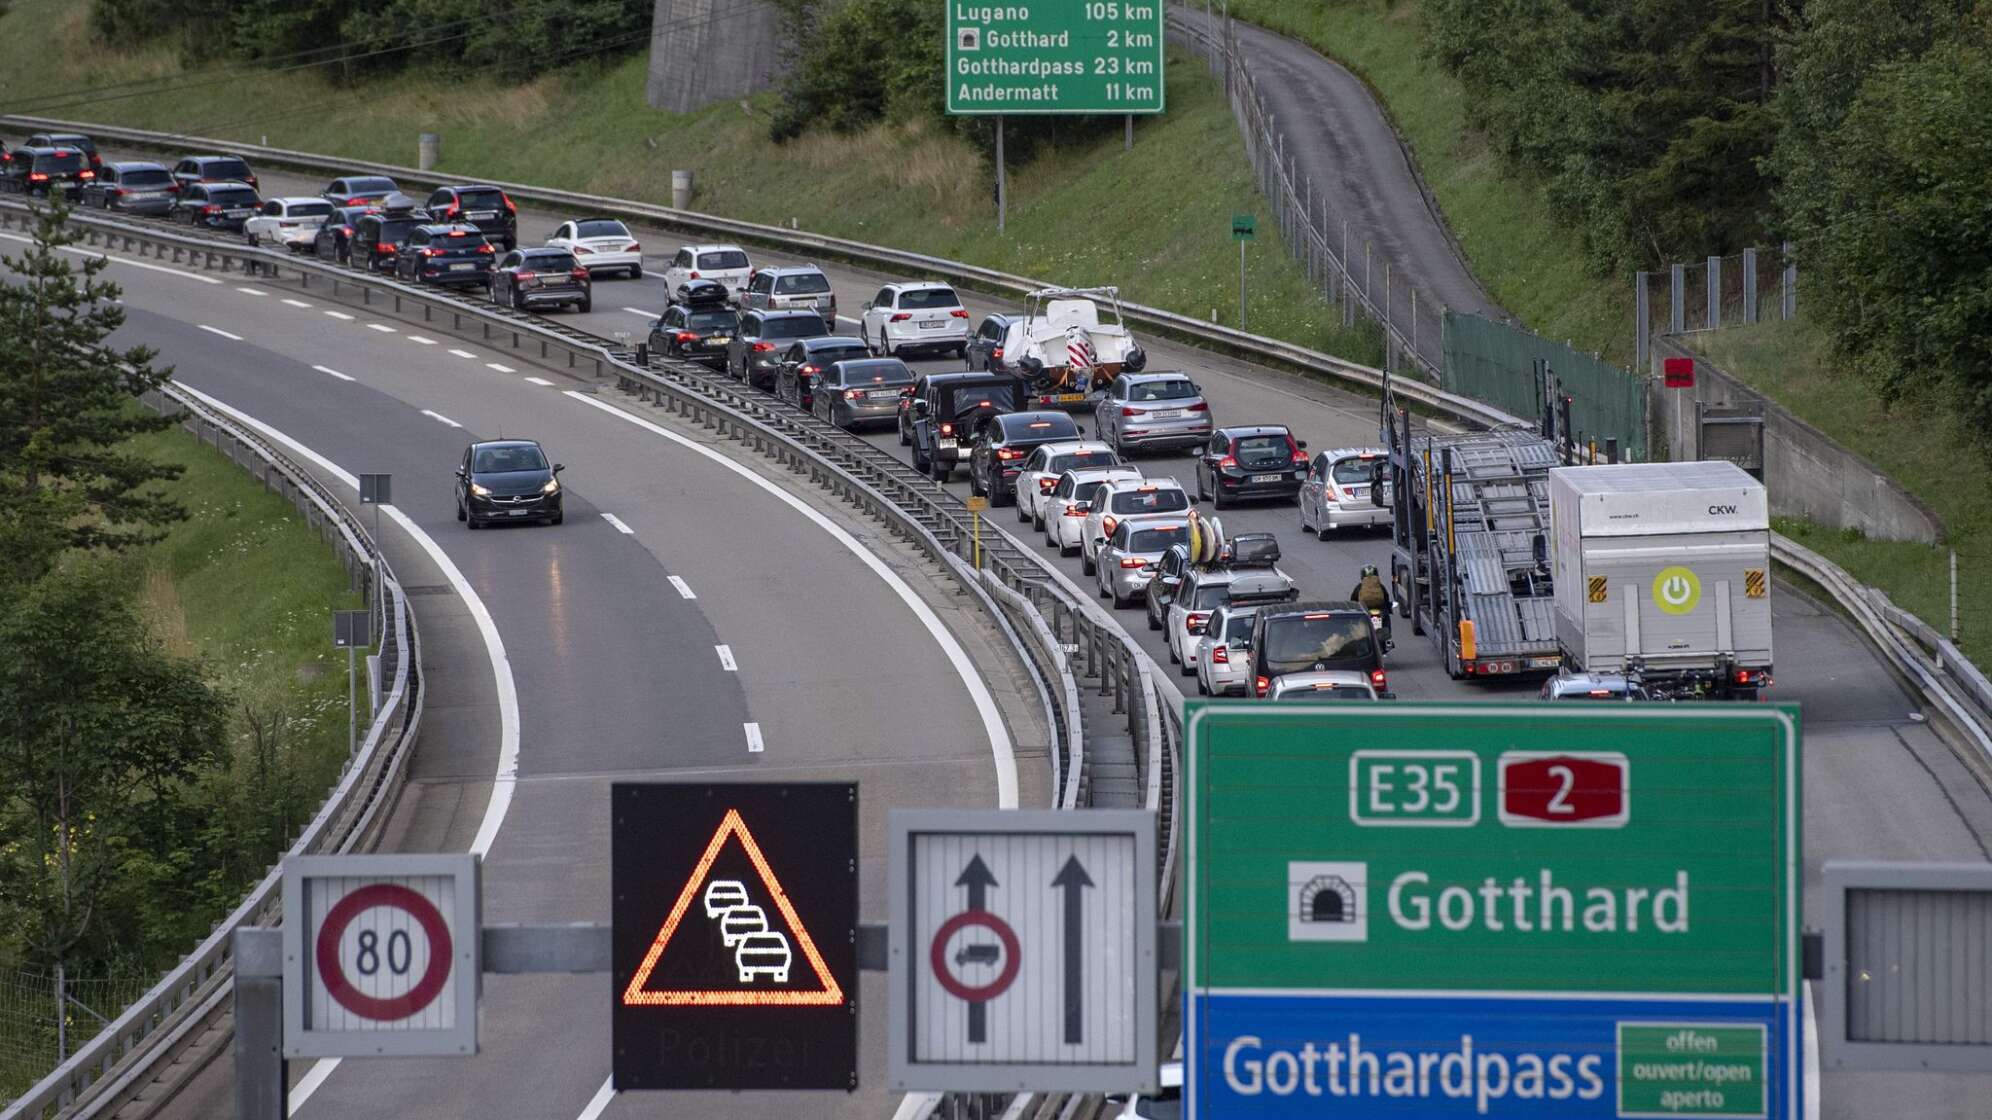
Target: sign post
{"x":353,"y":632}
{"x":1514,"y":911}
{"x":1244,"y":227}
{"x":735,"y":935}
{"x":976,"y":507}
{"x":1022,"y":950}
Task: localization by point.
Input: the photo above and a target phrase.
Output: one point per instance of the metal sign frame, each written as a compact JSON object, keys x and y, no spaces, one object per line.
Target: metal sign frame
{"x":902,"y":1071}
{"x":1836,"y":1051}
{"x":466,"y":975}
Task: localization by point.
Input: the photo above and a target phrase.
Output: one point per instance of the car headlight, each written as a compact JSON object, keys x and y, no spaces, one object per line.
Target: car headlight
{"x":552,"y":486}
{"x":480,"y":491}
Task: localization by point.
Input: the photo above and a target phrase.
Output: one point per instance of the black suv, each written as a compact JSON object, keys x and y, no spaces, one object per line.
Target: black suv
{"x":137,"y":188}
{"x":755,"y":353}
{"x":455,"y":256}
{"x":998,"y":457}
{"x":806,"y":359}
{"x":334,"y":240}
{"x":216,"y":205}
{"x":1260,"y":461}
{"x":507,"y":480}
{"x":67,"y":140}
{"x":378,"y":236}
{"x":1314,"y":637}
{"x":43,"y":171}
{"x":985,"y":349}
{"x":950,"y":410}
{"x":695,"y":332}
{"x":530,"y":278}
{"x":480,"y":205}
{"x":213,"y":169}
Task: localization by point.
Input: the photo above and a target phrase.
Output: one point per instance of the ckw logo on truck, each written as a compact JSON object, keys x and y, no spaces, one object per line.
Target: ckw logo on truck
{"x":1676,"y":590}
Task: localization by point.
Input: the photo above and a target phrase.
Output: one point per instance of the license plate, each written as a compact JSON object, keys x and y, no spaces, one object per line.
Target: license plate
{"x":148,"y":196}
{"x":481,"y":215}
{"x":881,"y":394}
{"x":1545,"y":662}
{"x":462,"y":267}
{"x":1068,"y":398}
{"x":932,"y":324}
{"x":714,"y":343}
{"x":1267,"y":477}
{"x":236,"y":213}
{"x":515,"y":513}
{"x":945,"y":444}
{"x":1166,"y":414}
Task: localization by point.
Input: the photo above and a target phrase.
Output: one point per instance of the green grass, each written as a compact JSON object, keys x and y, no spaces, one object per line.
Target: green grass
{"x":1524,"y":258}
{"x":1154,"y":221}
{"x":1919,"y":445}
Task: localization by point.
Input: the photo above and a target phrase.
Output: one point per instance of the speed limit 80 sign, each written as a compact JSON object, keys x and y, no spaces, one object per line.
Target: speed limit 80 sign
{"x":380,"y":955}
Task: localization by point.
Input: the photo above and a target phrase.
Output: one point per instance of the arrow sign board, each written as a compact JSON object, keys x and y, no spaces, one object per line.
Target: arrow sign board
{"x":1486,"y":911}
{"x":735,"y":935}
{"x":1022,"y":951}
{"x":380,"y":956}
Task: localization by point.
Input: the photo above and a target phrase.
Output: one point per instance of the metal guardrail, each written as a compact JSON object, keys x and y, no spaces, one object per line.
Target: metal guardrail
{"x":104,"y":1070}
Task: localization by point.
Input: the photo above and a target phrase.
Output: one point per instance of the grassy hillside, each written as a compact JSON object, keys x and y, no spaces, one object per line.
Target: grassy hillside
{"x":1154,"y":220}
{"x":1512,"y":241}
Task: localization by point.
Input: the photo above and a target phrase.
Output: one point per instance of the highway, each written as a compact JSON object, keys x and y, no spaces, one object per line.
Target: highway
{"x":596,"y":679}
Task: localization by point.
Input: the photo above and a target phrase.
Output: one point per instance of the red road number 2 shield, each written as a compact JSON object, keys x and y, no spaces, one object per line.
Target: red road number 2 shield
{"x":1588,"y":789}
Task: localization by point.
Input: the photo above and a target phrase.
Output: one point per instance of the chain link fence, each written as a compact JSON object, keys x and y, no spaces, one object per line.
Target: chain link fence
{"x":1498,"y":363}
{"x":44,"y":1019}
{"x":1753,"y":286}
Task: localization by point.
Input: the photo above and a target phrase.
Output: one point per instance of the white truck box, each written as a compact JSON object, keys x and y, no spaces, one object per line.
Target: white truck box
{"x":1664,"y":564}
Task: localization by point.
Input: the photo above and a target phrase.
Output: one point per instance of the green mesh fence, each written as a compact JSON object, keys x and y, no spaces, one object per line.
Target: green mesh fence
{"x":1495,"y":363}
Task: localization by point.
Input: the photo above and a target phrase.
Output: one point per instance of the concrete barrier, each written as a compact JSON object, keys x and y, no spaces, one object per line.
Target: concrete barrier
{"x":1808,"y":474}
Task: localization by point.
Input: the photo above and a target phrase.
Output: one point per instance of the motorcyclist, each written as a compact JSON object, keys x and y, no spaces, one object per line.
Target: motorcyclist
{"x":1373,"y":596}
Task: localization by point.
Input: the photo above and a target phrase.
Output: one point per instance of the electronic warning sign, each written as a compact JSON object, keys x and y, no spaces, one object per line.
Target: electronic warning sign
{"x":735,"y":931}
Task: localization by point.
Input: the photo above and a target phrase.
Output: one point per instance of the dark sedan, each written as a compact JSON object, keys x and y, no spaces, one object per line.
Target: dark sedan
{"x":214,"y":169}
{"x":1262,"y":461}
{"x":805,"y":361}
{"x":864,"y":391}
{"x":507,"y":480}
{"x":695,"y":333}
{"x":999,"y":453}
{"x":216,"y":205}
{"x":359,"y":190}
{"x":136,"y":188}
{"x":985,"y":349}
{"x":446,"y":255}
{"x":44,"y":171}
{"x":334,"y":241}
{"x":531,"y":278}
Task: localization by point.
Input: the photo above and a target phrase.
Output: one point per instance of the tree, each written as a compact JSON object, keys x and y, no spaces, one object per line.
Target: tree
{"x":68,"y":479}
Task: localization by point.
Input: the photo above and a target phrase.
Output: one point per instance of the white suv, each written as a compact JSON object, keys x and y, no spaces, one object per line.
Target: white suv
{"x":915,"y":316}
{"x":1043,"y":467}
{"x":1066,"y":507}
{"x":1122,"y":499}
{"x":724,"y":264}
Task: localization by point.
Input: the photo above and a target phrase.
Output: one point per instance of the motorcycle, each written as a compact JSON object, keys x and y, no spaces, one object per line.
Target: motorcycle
{"x":1377,"y":628}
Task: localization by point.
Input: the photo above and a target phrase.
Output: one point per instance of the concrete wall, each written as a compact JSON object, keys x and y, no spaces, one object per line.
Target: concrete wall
{"x":1808,"y":475}
{"x":704,"y":51}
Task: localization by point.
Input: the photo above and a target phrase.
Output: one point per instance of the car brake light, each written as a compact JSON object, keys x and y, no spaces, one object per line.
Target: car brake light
{"x":383,"y":247}
{"x":1219,"y":655}
{"x":694,"y":275}
{"x":1108,"y":523}
{"x":583,"y":251}
{"x":486,"y":248}
{"x":763,"y":347}
{"x":959,"y":313}
{"x":853,"y":394}
{"x":251,"y":180}
{"x":1376,"y":677}
{"x":455,"y":209}
{"x":1126,"y":411}
{"x":810,"y":368}
{"x":506,"y":199}
{"x":429,"y":252}
{"x":632,"y":247}
{"x":356,"y":202}
{"x":1261,"y":685}
{"x":459,"y":233}
{"x":1600,"y":693}
{"x":1045,"y":485}
{"x":1133,"y":562}
{"x":210,"y":209}
{"x":37,"y":177}
{"x":1227,"y":461}
{"x":997,"y":352}
{"x":1742,"y":676}
{"x":579,"y":274}
{"x":1194,"y":623}
{"x":686,"y":336}
{"x":901,"y":317}
{"x":86,"y":173}
{"x":1200,"y":406}
{"x":1006,"y":454}
{"x":525,"y":277}
{"x":947,"y":429}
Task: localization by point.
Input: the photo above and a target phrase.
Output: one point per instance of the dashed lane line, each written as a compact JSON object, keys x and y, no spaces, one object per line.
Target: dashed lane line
{"x":420,"y":339}
{"x":684,"y":589}
{"x":252,"y":291}
{"x":618,"y":523}
{"x":726,"y":661}
{"x":340,"y":315}
{"x":229,"y":335}
{"x":440,"y":418}
{"x":463,"y":353}
{"x":335,"y":373}
{"x":381,"y":327}
{"x":297,"y":303}
{"x":754,"y":743}
{"x":539,"y":380}
{"x":500,"y":367}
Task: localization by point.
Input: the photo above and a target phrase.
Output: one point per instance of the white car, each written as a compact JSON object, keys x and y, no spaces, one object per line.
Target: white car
{"x":1043,"y":466}
{"x":915,"y":316}
{"x":600,"y":245}
{"x":1334,"y":684}
{"x":1124,"y":498}
{"x":290,"y":222}
{"x":1224,"y":656}
{"x":726,"y":265}
{"x":1071,"y":499}
{"x":1203,"y":591}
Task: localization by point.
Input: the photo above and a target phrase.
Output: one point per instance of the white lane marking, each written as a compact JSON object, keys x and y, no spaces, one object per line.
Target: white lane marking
{"x":915,"y":1106}
{"x":334,"y":372}
{"x":252,"y":291}
{"x":618,"y":523}
{"x":1000,"y":747}
{"x":499,"y":368}
{"x":420,"y":339}
{"x":640,"y":311}
{"x":381,"y":327}
{"x":340,"y":315}
{"x":232,"y":337}
{"x":684,"y":589}
{"x":440,"y":418}
{"x":297,"y":303}
{"x":122,"y":260}
{"x":539,"y":381}
{"x":599,"y":1103}
{"x":463,"y":353}
{"x":849,"y":320}
{"x":726,"y":661}
{"x":506,"y":778}
{"x":754,"y":743}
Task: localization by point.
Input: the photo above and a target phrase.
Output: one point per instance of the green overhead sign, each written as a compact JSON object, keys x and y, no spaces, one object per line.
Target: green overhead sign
{"x":1605,"y":895}
{"x":1055,"y":56}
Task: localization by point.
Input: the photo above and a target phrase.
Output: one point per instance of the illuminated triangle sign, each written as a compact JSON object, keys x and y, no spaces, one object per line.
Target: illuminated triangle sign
{"x":761,"y":954}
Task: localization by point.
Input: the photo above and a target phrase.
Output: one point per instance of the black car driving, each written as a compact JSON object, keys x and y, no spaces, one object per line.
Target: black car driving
{"x":998,"y":455}
{"x":507,"y":480}
{"x":379,"y":235}
{"x":216,"y":205}
{"x":455,"y":256}
{"x":695,"y":332}
{"x":947,"y":412}
{"x":1260,"y":461}
{"x":45,"y":171}
{"x":481,"y":205}
{"x":526,"y":279}
{"x":1315,"y":637}
{"x":334,"y":241}
{"x":806,"y":359}
{"x":863,"y":391}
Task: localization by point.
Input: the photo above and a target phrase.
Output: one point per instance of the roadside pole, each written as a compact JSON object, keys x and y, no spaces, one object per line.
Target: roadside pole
{"x":1244,"y":227}
{"x":352,"y":631}
{"x":1001,"y":201}
{"x":975,"y":507}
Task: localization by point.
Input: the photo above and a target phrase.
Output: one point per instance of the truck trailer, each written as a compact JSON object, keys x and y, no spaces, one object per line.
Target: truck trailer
{"x":1662,"y":572}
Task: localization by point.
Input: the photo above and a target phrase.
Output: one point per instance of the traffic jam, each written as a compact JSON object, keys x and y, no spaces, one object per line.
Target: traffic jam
{"x":1521,"y":557}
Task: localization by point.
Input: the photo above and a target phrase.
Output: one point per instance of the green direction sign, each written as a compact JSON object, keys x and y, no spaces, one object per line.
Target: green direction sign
{"x":1055,"y":56}
{"x":1609,"y":892}
{"x":1244,"y":227}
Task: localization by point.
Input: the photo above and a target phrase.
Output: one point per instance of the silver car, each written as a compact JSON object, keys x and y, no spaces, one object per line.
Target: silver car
{"x":1071,"y":500}
{"x":861,"y":391}
{"x":1336,"y":493}
{"x":1121,"y":499}
{"x":1566,"y":685}
{"x":1224,"y":655}
{"x":1153,"y":410}
{"x":1126,"y":561}
{"x":1339,"y":684}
